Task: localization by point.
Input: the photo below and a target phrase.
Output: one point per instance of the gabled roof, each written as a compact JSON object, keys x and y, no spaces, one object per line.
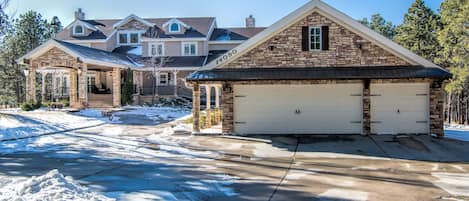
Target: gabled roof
{"x":334,"y":15}
{"x":175,"y":20}
{"x":130,"y":18}
{"x":83,"y":23}
{"x":86,"y":54}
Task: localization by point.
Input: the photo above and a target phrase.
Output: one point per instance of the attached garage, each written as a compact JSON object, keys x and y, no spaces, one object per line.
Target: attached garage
{"x":400,"y":108}
{"x":298,"y":109}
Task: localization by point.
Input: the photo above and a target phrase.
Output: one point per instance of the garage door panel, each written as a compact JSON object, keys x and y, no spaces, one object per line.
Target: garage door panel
{"x":300,"y":109}
{"x":399,"y":108}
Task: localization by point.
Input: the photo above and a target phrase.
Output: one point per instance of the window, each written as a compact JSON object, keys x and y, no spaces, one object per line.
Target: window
{"x":163,"y":79}
{"x":129,"y":38}
{"x":174,"y":27}
{"x":78,"y":30}
{"x":189,"y":49}
{"x":315,"y":38}
{"x":156,"y":49}
{"x":123,"y":38}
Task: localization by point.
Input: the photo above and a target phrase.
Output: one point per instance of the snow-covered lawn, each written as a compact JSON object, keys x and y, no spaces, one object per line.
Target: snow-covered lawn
{"x":457,"y":132}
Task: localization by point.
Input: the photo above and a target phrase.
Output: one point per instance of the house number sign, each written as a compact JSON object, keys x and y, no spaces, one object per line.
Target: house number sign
{"x":226,"y":56}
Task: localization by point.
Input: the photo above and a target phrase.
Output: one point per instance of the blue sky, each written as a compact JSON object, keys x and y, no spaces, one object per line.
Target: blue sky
{"x":229,"y":13}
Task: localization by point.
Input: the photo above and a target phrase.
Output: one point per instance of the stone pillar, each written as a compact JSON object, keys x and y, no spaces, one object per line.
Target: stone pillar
{"x":43,"y":86}
{"x":437,"y":108}
{"x":196,"y":107}
{"x":227,"y":106}
{"x":175,"y":83}
{"x":366,"y":108}
{"x":83,"y":86}
{"x":157,"y":84}
{"x":217,"y":105}
{"x":116,"y":87}
{"x":31,"y":84}
{"x":54,"y":85}
{"x":208,"y":110}
{"x":73,"y":91}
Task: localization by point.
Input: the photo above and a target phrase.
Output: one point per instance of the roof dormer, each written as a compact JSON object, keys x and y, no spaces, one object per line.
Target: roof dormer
{"x":81,"y":28}
{"x":175,"y":26}
{"x":133,"y":22}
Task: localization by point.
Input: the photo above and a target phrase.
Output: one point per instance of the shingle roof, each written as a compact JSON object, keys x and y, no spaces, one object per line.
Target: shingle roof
{"x":222,"y":34}
{"x":319,"y":73}
{"x":200,"y":27}
{"x":99,"y":55}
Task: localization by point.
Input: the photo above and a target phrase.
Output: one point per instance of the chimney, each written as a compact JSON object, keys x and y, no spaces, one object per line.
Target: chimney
{"x":79,"y":15}
{"x":250,"y":22}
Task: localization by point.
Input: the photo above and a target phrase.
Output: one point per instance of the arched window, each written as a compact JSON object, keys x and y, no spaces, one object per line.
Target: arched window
{"x":78,"y":29}
{"x":174,"y":27}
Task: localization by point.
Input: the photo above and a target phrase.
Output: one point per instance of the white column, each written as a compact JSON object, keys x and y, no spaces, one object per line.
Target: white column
{"x":208,"y":118}
{"x":175,"y":83}
{"x":43,"y":92}
{"x":217,"y":104}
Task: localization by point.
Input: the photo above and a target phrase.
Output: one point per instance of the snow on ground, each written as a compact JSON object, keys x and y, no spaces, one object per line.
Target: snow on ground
{"x":454,"y":183}
{"x":51,"y":186}
{"x":154,"y":113}
{"x":457,"y":132}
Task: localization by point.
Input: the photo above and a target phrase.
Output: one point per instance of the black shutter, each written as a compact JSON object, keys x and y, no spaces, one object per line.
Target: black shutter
{"x":325,"y":37}
{"x":305,"y":38}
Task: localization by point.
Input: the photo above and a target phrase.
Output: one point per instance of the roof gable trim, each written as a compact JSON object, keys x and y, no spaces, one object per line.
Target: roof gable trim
{"x":82,"y":23}
{"x":130,"y":18}
{"x":174,"y":20}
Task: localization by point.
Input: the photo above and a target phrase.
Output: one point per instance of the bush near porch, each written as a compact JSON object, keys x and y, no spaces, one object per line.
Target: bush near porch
{"x":203,"y":118}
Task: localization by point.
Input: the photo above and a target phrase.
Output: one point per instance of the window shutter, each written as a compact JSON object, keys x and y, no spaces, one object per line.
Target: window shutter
{"x":325,"y":37}
{"x":305,"y":38}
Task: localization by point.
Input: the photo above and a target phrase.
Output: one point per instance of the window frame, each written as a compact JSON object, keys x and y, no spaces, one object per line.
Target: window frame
{"x":150,"y":47}
{"x":166,"y":79}
{"x":196,"y":46}
{"x":170,"y":28}
{"x":128,"y":35}
{"x":310,"y":43}
{"x":82,"y":30}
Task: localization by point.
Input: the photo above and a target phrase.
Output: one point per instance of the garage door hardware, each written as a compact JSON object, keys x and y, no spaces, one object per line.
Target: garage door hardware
{"x":376,"y":122}
{"x":355,"y":94}
{"x":355,"y":122}
{"x":421,"y":94}
{"x":240,"y":96}
{"x":240,"y":122}
{"x":297,"y":111}
{"x":375,"y":94}
{"x":421,"y":122}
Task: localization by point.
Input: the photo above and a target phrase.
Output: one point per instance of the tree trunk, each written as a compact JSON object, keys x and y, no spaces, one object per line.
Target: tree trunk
{"x":449,"y":107}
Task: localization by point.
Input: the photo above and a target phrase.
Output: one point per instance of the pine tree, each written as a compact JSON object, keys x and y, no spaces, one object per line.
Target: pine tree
{"x":55,"y":26}
{"x":127,"y":89}
{"x":454,"y":40}
{"x":380,"y":25}
{"x":418,"y":31}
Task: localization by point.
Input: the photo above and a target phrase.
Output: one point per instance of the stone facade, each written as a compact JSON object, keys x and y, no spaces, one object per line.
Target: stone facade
{"x":437,"y":116}
{"x":116,"y":87}
{"x":227,"y":98}
{"x":56,"y":57}
{"x":73,"y":88}
{"x":196,"y":107}
{"x":343,"y":49}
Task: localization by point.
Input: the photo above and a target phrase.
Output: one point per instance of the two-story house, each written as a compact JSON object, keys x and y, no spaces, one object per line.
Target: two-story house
{"x":85,"y":62}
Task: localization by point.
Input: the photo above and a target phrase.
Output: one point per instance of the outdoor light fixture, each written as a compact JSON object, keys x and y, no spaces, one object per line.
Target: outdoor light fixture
{"x":26,"y":73}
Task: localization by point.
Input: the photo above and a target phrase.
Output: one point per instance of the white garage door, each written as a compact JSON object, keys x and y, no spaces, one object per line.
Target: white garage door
{"x":399,"y":108}
{"x":298,"y":109}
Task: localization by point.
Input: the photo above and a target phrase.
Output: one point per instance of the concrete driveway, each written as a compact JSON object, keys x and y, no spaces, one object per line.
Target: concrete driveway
{"x":126,"y":167}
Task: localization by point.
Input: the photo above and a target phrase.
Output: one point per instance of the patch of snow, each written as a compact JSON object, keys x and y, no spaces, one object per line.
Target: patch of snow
{"x":138,"y":50}
{"x":461,"y":134}
{"x":344,"y":194}
{"x":155,"y":113}
{"x":90,"y":113}
{"x":298,"y":174}
{"x":51,"y":186}
{"x":453,"y":183}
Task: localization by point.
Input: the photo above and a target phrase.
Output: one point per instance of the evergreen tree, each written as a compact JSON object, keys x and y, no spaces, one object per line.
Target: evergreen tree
{"x":380,"y":25}
{"x":127,"y":89}
{"x":418,"y":31}
{"x":454,"y":41}
{"x":55,"y":26}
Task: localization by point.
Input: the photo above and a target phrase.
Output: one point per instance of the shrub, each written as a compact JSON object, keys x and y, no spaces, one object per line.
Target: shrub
{"x":37,"y":105}
{"x":26,"y":107}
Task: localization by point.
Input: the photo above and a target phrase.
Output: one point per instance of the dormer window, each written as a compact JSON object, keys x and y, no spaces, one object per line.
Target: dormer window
{"x":129,"y":37}
{"x":175,"y":27}
{"x":78,"y":30}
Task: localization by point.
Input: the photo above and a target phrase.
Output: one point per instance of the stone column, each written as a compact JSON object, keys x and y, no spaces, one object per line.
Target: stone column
{"x":83,"y":86}
{"x":31,"y":84}
{"x":157,"y":84}
{"x":227,"y":106}
{"x":196,"y":107}
{"x":175,"y":83}
{"x":116,"y":87}
{"x":208,"y":110}
{"x":437,"y":109}
{"x":54,"y":85}
{"x":73,"y":90}
{"x":217,"y":104}
{"x":43,"y":86}
{"x":366,"y":108}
